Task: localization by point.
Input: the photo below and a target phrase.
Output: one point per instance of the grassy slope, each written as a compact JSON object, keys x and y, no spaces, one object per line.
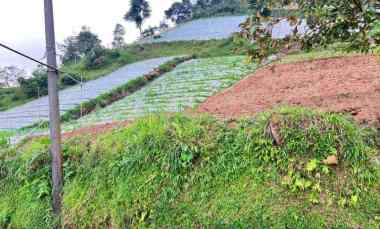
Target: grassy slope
{"x":314,"y":55}
{"x":164,"y":172}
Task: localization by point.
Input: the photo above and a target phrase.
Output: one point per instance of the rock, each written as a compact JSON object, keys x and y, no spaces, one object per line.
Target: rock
{"x":331,"y":160}
{"x":376,"y":161}
{"x":274,"y":131}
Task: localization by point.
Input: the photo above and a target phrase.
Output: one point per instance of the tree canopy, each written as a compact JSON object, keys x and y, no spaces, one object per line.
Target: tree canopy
{"x":186,"y":10}
{"x":9,"y":76}
{"x":328,"y":21}
{"x":76,"y":47}
{"x":138,"y":12}
{"x":118,"y":36}
{"x":179,"y":11}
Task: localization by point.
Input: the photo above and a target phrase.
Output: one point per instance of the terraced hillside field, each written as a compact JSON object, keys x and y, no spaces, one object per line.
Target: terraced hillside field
{"x":188,"y":85}
{"x":216,"y":28}
{"x":37,"y":110}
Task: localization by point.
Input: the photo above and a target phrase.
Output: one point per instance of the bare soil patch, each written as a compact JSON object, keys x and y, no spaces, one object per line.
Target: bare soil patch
{"x":347,"y":84}
{"x":95,"y":130}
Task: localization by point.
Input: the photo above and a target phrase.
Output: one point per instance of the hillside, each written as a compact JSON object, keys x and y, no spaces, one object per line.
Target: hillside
{"x":132,"y":54}
{"x":270,"y":128}
{"x":203,"y":172}
{"x":188,"y":85}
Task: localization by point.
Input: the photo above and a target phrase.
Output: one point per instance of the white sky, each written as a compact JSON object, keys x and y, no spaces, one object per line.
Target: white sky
{"x":22,"y":23}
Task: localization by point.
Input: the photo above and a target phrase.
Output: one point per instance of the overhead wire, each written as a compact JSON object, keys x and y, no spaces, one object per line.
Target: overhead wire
{"x":40,"y":62}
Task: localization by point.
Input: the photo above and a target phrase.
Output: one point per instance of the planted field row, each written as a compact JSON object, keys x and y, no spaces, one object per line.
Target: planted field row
{"x":188,"y":85}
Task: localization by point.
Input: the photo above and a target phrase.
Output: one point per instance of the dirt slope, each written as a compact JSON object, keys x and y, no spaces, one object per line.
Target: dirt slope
{"x":347,"y":84}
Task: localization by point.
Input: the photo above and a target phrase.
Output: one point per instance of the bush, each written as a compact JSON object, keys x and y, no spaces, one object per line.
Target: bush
{"x":36,"y":86}
{"x":69,"y":80}
{"x":96,"y":58}
{"x":100,"y":57}
{"x":4,"y":140}
{"x":375,"y":32}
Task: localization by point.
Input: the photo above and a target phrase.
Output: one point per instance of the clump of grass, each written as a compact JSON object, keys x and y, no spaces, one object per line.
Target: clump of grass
{"x":175,"y":170}
{"x":306,"y":140}
{"x":4,"y":139}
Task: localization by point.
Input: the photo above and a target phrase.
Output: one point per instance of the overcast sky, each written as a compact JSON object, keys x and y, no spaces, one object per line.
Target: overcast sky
{"x":22,"y":23}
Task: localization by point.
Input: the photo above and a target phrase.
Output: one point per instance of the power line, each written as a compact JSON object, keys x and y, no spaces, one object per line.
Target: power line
{"x":41,"y":63}
{"x":28,"y":57}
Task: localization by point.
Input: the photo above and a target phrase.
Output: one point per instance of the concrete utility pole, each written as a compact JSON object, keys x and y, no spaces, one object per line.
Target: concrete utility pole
{"x":55,"y":129}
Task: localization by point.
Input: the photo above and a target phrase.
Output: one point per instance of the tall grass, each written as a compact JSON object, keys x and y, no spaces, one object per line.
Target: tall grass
{"x":180,"y":171}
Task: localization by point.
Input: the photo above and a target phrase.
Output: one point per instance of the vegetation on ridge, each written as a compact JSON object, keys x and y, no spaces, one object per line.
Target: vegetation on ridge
{"x":195,"y":171}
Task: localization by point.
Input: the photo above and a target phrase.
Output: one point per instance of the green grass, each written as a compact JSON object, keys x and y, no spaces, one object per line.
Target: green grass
{"x":308,"y":56}
{"x":4,"y":138}
{"x":12,"y":97}
{"x":195,"y":172}
{"x":332,"y":51}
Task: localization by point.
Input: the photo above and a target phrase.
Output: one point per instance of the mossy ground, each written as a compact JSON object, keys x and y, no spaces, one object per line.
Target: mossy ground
{"x":190,"y":172}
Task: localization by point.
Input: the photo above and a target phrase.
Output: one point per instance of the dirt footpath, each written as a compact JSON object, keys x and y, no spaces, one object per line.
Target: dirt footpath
{"x":347,"y":84}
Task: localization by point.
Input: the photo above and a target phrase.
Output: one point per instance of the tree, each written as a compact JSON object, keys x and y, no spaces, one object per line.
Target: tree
{"x":70,"y":49}
{"x":87,"y":41}
{"x":76,"y":47}
{"x":138,"y":12}
{"x":96,"y":58}
{"x":118,"y":36}
{"x":179,"y":11}
{"x":347,"y":21}
{"x":9,"y":76}
{"x":35,"y":86}
{"x":163,"y":26}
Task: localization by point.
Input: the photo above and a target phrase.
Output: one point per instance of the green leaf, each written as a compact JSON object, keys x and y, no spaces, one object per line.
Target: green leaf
{"x":311,"y":165}
{"x":354,"y":200}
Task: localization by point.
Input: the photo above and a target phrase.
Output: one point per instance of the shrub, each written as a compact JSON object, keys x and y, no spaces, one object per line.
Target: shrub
{"x":375,"y":35}
{"x":36,"y":86}
{"x":69,"y":80}
{"x":100,"y":57}
{"x":4,"y":140}
{"x":96,"y":58}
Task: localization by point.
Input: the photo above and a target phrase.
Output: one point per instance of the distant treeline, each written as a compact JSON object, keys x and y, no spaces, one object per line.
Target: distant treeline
{"x":184,"y":11}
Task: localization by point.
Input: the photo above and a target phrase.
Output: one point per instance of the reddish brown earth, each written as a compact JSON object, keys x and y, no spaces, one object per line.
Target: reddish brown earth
{"x":93,"y":131}
{"x":347,"y":84}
